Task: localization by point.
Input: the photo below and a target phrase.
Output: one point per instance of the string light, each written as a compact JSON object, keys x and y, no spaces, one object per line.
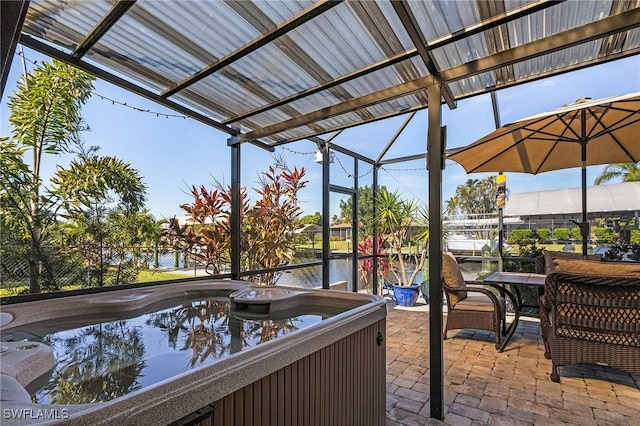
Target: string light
{"x":148,"y":111}
{"x":420,"y":169}
{"x":115,"y":102}
{"x":351,"y":175}
{"x":162,"y":114}
{"x":297,"y":152}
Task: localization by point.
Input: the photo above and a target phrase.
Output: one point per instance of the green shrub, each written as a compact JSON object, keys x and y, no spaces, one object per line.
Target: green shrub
{"x":544,"y":235}
{"x":519,"y":237}
{"x":575,"y":233}
{"x":561,"y":234}
{"x":635,"y":236}
{"x":604,"y":235}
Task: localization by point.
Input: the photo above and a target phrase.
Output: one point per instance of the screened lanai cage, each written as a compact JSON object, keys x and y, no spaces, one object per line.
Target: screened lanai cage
{"x":299,"y":75}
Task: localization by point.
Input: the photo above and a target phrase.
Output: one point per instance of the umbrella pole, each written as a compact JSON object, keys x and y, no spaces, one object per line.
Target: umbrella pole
{"x":584,"y":226}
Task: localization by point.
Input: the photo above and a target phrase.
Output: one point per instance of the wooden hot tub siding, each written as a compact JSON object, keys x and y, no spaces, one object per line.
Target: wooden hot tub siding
{"x":341,"y":384}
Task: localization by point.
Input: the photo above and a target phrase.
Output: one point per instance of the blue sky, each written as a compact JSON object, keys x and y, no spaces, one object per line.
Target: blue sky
{"x":174,"y":153}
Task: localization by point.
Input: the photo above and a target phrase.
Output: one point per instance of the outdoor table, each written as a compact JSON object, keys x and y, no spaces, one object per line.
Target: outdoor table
{"x":515,"y":280}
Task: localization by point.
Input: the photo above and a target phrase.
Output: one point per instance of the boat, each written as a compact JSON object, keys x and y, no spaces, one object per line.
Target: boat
{"x":462,"y":244}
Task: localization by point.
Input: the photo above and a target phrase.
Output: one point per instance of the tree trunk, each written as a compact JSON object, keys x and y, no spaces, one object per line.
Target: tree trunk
{"x":34,"y":255}
{"x":34,"y":276}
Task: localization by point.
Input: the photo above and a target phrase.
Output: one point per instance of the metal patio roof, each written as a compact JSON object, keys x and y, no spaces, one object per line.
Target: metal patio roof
{"x":272,"y":72}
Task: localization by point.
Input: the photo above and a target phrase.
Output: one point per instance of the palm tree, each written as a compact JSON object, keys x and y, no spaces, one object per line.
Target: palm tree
{"x":92,"y":178}
{"x":452,"y":205}
{"x":85,"y":187}
{"x":466,"y":194}
{"x":395,"y":219}
{"x":474,"y":196}
{"x":45,"y":115}
{"x":629,"y":172}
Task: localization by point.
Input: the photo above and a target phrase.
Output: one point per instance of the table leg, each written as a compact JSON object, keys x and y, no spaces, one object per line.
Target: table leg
{"x":508,"y":333}
{"x":518,"y":295}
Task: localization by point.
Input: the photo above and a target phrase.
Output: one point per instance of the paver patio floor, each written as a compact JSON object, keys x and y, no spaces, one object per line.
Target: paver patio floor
{"x":484,"y":387}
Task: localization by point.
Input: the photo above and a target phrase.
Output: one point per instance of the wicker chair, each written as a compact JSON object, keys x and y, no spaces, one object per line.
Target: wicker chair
{"x":591,"y":319}
{"x":484,"y":311}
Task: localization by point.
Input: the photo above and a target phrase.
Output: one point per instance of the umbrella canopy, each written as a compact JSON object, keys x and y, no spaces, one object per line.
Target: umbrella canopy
{"x":585,"y":133}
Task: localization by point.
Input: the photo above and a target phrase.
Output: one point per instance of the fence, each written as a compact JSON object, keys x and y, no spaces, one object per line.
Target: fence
{"x":72,"y":270}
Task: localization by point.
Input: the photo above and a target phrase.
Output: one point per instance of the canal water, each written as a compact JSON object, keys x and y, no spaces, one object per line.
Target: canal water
{"x":311,"y":276}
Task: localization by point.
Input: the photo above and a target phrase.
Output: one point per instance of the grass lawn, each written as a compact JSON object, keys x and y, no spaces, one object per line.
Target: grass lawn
{"x":334,"y":245}
{"x":145,"y":277}
{"x":577,"y":247}
{"x":347,"y":246}
{"x":342,"y":246}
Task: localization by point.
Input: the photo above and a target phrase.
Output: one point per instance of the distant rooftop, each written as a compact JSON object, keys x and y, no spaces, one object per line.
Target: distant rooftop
{"x":622,"y":199}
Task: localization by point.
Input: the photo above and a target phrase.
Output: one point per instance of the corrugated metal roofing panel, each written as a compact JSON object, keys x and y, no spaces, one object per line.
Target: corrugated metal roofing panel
{"x":64,"y":23}
{"x":437,"y":19}
{"x":403,"y":103}
{"x":473,"y":84}
{"x":158,"y":45}
{"x":533,"y":27}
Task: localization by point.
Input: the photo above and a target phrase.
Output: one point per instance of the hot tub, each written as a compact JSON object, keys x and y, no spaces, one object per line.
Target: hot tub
{"x":331,"y":370}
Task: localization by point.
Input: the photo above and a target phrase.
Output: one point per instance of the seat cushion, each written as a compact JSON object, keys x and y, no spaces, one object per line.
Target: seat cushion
{"x":549,"y":265}
{"x":595,"y":267}
{"x":478,"y":302}
{"x":453,"y":277}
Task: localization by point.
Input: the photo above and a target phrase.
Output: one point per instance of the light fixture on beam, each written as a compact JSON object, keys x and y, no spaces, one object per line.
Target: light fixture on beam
{"x":320,"y":152}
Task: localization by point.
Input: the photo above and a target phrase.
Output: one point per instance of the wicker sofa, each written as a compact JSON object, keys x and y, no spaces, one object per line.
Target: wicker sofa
{"x":590,"y":314}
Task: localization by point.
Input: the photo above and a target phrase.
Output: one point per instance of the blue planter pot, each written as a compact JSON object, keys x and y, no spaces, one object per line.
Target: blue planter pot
{"x":406,"y":296}
{"x":424,"y":289}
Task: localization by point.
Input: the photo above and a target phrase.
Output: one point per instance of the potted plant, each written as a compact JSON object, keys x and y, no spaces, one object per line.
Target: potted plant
{"x":365,"y":248}
{"x":400,"y":222}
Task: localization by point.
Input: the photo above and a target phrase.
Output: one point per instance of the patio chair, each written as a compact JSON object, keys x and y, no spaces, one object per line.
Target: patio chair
{"x":482,"y":311}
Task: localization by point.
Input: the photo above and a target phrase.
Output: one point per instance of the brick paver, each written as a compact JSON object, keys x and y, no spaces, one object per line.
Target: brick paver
{"x":484,"y":387}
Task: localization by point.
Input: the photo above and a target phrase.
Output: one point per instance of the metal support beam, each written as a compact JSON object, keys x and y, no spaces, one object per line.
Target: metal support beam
{"x":376,"y":290}
{"x":235,"y":250}
{"x":406,"y":158}
{"x":396,"y":136}
{"x":326,"y":85}
{"x":434,"y":163}
{"x":266,"y":38}
{"x":392,"y":60}
{"x":596,"y":30}
{"x":414,"y":157}
{"x":584,"y":225}
{"x":383,"y":95}
{"x":101,"y":28}
{"x":354,"y":228}
{"x":602,"y":28}
{"x":346,"y":126}
{"x":41,"y":47}
{"x":325,"y":216}
{"x":350,"y":153}
{"x":413,"y":29}
{"x":496,"y":120}
{"x":341,"y":189}
{"x":261,"y":145}
{"x":12,"y":14}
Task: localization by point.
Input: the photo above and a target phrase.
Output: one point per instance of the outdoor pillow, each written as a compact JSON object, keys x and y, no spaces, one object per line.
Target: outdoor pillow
{"x":550,"y":255}
{"x":453,"y":277}
{"x":595,"y":267}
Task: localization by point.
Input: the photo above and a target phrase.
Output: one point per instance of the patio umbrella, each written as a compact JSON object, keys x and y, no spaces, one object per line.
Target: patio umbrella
{"x":585,"y":133}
